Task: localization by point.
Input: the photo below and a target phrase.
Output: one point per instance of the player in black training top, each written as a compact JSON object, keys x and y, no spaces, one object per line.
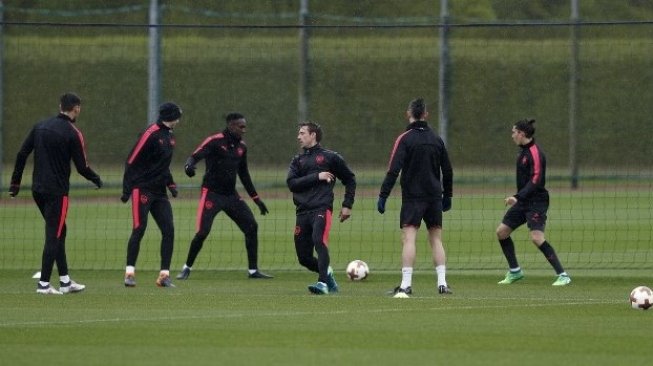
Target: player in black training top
{"x":55,"y":143}
{"x":311,"y":178}
{"x":529,"y":205}
{"x":426,"y":189}
{"x":226,"y":157}
{"x":147,"y":175}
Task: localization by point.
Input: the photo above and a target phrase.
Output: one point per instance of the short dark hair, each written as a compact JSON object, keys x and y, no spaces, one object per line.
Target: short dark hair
{"x":233,"y":116}
{"x":313,"y":128}
{"x":526,"y":126}
{"x":417,"y":108}
{"x":69,"y":101}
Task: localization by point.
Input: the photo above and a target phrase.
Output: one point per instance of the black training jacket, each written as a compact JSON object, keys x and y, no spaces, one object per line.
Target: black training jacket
{"x":226,"y":158}
{"x":148,"y":163}
{"x":310,"y":193}
{"x":531,"y":173}
{"x":55,"y":142}
{"x":421,"y":157}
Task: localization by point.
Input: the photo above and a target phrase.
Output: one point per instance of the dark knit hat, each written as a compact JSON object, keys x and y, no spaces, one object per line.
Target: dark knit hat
{"x":169,"y":112}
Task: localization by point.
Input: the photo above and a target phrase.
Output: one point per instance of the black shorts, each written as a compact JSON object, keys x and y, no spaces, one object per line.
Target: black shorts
{"x":413,"y":212}
{"x":533,"y":213}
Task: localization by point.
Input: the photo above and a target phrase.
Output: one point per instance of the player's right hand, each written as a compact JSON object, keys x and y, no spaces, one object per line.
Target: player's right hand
{"x":124,"y":198}
{"x":380,"y":205}
{"x":13,"y":190}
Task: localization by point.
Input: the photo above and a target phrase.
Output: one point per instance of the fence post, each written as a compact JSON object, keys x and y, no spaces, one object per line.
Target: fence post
{"x":304,"y":66}
{"x":154,"y":67}
{"x":574,"y":78}
{"x":2,"y":42}
{"x":444,"y":82}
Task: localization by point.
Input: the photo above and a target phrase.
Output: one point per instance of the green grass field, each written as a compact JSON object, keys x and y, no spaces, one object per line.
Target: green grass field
{"x":601,"y":232}
{"x":223,"y":318}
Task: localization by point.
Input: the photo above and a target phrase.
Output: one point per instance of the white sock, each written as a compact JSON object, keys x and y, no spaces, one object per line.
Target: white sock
{"x":130,"y":269}
{"x":164,"y":272}
{"x":515,"y":270}
{"x":251,"y":271}
{"x":441,"y":271}
{"x":406,"y":277}
{"x":64,"y":279}
{"x":44,"y":284}
{"x":185,"y":267}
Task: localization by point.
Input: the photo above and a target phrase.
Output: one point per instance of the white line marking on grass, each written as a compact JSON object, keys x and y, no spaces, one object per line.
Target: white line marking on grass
{"x":250,"y":315}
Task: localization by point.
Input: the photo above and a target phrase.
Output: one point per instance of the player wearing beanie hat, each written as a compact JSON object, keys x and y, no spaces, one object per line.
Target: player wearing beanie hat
{"x":169,"y":112}
{"x":147,"y":175}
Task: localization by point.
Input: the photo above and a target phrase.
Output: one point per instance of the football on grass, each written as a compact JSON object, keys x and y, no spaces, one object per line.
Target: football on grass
{"x":357,"y":270}
{"x":641,"y":298}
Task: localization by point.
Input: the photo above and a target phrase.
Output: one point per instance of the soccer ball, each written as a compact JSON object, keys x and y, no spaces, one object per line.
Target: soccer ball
{"x":357,"y":270}
{"x":641,"y":298}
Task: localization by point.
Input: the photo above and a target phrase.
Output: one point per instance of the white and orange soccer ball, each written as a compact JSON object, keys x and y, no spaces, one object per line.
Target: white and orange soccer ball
{"x":641,"y":298}
{"x":357,"y":270}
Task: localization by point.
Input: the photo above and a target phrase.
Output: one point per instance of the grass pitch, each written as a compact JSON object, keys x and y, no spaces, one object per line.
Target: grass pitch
{"x":222,"y":317}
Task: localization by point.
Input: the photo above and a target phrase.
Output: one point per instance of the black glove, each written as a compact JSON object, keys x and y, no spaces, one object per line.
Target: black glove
{"x":13,"y":190}
{"x":97,"y":181}
{"x":189,"y":167}
{"x":261,"y":206}
{"x":446,"y":204}
{"x":125,"y":197}
{"x":173,"y":190}
{"x":380,"y":205}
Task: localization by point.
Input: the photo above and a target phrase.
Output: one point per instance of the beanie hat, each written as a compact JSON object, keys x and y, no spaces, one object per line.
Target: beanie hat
{"x":169,"y":112}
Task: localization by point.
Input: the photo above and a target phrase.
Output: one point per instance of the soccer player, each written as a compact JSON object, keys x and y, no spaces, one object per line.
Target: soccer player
{"x":226,"y":158}
{"x":311,"y":178}
{"x":529,"y":205}
{"x":147,"y":175}
{"x":55,"y":142}
{"x":426,"y":189}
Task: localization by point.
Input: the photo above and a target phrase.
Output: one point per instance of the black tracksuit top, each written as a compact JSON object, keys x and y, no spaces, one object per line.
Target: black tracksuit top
{"x":55,"y":142}
{"x":226,"y":158}
{"x":421,"y":157}
{"x":148,"y":163}
{"x":309,"y":193}
{"x":531,"y":173}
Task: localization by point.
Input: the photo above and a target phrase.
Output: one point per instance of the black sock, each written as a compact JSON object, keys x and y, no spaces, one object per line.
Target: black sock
{"x":550,"y":255}
{"x":508,"y":248}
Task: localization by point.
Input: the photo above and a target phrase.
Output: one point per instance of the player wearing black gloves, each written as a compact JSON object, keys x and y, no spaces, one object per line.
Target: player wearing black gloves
{"x":426,"y":189}
{"x":226,"y":157}
{"x":147,"y":175}
{"x":55,"y":143}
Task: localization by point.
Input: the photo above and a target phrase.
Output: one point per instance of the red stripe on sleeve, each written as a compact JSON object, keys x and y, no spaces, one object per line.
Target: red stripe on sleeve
{"x":142,"y":141}
{"x":207,"y":140}
{"x":537,"y":165}
{"x":81,"y":139}
{"x":394,"y":148}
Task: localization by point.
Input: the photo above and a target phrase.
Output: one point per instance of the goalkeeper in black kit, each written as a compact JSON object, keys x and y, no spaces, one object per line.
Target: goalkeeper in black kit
{"x":226,"y":158}
{"x":55,"y":142}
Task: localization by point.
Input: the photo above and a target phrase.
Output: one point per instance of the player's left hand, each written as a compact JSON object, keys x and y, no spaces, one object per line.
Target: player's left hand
{"x":173,"y":190}
{"x":446,"y":204}
{"x":98,"y":182}
{"x":345,"y":213}
{"x":261,"y":206}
